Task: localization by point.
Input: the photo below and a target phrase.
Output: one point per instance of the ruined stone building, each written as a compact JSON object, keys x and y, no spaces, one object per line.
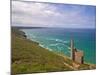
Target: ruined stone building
{"x":76,"y":55}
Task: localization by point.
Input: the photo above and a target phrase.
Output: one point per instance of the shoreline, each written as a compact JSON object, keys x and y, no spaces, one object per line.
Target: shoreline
{"x":57,"y":53}
{"x":68,"y":58}
{"x":29,"y":56}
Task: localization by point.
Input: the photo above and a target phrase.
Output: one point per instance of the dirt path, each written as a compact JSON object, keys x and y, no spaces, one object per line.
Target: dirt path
{"x":74,"y":66}
{"x":68,"y":65}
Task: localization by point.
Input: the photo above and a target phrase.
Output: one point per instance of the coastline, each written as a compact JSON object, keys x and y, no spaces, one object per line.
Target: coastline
{"x":60,"y":42}
{"x":58,"y":53}
{"x":50,"y":58}
{"x":66,"y":57}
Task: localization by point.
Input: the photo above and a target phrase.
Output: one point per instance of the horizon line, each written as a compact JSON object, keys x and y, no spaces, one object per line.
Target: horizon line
{"x":58,"y":27}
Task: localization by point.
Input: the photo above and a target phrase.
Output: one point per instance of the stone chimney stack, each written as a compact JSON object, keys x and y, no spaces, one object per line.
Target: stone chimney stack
{"x":72,"y":49}
{"x":76,"y":55}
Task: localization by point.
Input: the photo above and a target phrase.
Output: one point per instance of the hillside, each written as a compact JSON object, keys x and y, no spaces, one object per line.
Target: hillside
{"x":29,"y":57}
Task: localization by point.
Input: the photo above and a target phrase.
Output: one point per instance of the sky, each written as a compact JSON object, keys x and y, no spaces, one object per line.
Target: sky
{"x":39,"y":14}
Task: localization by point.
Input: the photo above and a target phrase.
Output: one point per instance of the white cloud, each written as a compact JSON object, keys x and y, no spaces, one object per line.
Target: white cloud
{"x":31,"y":13}
{"x":43,"y":14}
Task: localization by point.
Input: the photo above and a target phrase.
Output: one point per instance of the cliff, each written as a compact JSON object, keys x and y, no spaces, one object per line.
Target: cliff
{"x":28,"y":57}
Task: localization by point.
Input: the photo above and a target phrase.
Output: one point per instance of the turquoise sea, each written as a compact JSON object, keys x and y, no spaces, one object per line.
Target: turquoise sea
{"x":58,"y":39}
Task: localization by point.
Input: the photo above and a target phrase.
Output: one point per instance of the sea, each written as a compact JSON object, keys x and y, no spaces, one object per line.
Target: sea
{"x":58,"y":40}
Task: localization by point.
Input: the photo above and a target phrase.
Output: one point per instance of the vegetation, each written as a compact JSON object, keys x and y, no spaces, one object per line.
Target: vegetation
{"x":29,"y":57}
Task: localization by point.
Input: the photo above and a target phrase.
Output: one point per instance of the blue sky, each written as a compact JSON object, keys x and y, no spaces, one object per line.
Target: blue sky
{"x":53,"y":15}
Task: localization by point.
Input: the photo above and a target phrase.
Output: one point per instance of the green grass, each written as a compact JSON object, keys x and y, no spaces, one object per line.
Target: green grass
{"x":29,"y":57}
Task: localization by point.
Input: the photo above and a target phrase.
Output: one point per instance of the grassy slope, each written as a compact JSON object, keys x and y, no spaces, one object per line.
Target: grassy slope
{"x":29,"y":57}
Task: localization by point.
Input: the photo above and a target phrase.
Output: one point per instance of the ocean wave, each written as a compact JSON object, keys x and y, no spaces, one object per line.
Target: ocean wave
{"x":56,"y":48}
{"x":50,"y":39}
{"x":58,"y":40}
{"x":53,"y":44}
{"x":58,"y":45}
{"x":41,"y":45}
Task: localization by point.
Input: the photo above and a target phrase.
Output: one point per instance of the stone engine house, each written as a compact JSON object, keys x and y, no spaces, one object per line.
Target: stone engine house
{"x":76,"y":55}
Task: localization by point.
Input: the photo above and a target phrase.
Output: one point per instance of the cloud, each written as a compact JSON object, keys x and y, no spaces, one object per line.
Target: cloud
{"x":50,"y":15}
